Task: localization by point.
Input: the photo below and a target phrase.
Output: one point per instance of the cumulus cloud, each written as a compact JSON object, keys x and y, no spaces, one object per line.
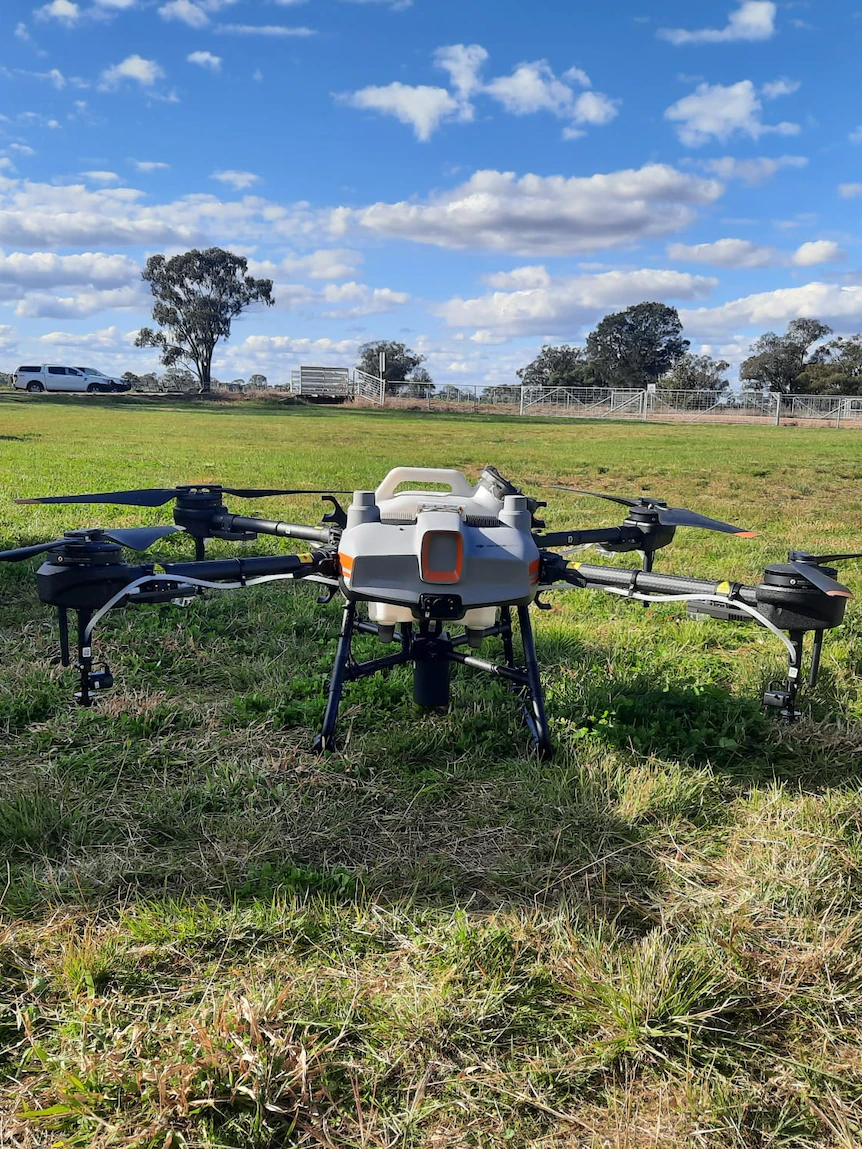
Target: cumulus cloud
{"x":149,"y":165}
{"x":47,"y":270}
{"x":817,"y":251}
{"x":134,"y":67}
{"x":754,"y":171}
{"x":238,"y":180}
{"x":519,"y":278}
{"x":205,"y":60}
{"x":65,"y":11}
{"x":849,"y":191}
{"x":542,"y":215}
{"x":720,"y":111}
{"x":744,"y":253}
{"x":361,"y":299}
{"x":531,"y":87}
{"x":463,"y":62}
{"x":830,"y":302}
{"x":568,"y":301}
{"x":82,"y":304}
{"x":752,"y":20}
{"x":44,"y":216}
{"x":327,"y":263}
{"x":185,"y":12}
{"x":422,"y":107}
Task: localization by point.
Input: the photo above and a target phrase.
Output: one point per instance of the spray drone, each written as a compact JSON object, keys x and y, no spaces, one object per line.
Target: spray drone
{"x":430,"y":574}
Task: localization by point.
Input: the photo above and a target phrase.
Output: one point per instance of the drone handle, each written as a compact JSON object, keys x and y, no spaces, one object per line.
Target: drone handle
{"x":456,"y":482}
{"x":270,"y":527}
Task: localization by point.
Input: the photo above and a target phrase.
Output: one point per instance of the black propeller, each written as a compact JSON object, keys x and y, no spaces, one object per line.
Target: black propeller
{"x":135,"y":538}
{"x":809,"y":566}
{"x":158,"y":496}
{"x":667,"y":516}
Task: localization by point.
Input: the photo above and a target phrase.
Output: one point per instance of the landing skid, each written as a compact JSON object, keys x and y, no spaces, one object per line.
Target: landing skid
{"x":432,"y":651}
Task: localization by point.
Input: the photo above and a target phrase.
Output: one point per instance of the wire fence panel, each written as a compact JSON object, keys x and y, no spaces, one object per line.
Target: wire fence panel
{"x":750,"y":408}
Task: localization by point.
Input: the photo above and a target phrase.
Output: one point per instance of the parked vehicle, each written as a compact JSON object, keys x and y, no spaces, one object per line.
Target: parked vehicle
{"x":110,"y":382}
{"x":53,"y":377}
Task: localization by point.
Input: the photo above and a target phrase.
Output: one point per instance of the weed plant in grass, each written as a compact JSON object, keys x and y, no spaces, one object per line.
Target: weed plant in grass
{"x":210,"y":937}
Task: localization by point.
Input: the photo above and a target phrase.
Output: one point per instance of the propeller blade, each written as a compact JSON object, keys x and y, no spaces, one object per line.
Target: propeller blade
{"x":819,"y":559}
{"x":596,"y":495}
{"x":253,"y":494}
{"x":20,"y":553}
{"x":139,"y":538}
{"x":154,"y":497}
{"x":680,"y":517}
{"x":158,"y":496}
{"x":821,"y":580}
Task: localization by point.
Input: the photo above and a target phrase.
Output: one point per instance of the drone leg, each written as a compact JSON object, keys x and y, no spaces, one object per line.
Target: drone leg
{"x":535,"y":717}
{"x":85,"y":660}
{"x":200,"y":550}
{"x":816,"y":652}
{"x":63,"y":622}
{"x":506,"y":635}
{"x":325,"y":740}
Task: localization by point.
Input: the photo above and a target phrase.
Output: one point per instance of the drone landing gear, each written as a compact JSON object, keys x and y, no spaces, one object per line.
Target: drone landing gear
{"x":784,"y":701}
{"x":90,"y":680}
{"x":432,"y":651}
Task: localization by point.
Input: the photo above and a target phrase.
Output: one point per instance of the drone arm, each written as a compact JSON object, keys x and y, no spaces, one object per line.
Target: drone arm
{"x":320,"y":562}
{"x":597,"y":577}
{"x":271,"y":527}
{"x":607,"y":535}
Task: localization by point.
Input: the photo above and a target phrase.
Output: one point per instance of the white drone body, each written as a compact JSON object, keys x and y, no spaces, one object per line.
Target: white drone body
{"x":429,"y":554}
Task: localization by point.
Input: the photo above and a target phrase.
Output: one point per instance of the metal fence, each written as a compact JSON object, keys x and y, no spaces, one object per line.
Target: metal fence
{"x":751,"y":408}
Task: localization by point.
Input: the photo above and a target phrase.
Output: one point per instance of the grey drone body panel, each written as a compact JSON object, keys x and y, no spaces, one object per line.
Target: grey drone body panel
{"x":401,"y":548}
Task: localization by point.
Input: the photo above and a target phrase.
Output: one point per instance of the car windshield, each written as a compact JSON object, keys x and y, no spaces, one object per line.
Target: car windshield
{"x":90,"y":371}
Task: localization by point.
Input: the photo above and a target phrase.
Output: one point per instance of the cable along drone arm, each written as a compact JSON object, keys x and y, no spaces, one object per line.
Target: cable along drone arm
{"x":787,"y":609}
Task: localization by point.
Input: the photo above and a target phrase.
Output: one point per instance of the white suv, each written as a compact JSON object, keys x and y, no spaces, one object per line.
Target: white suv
{"x":51,"y":377}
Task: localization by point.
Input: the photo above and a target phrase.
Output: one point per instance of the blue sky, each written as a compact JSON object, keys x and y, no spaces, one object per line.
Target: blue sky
{"x":474,"y":179}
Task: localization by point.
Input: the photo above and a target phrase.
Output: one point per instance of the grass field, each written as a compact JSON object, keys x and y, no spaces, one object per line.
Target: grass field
{"x":209,"y":937}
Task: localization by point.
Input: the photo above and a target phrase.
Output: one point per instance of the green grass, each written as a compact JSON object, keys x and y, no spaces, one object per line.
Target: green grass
{"x":209,"y":937}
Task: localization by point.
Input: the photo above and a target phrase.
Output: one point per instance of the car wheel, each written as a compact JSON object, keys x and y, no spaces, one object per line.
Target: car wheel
{"x":34,"y":387}
{"x":92,"y":388}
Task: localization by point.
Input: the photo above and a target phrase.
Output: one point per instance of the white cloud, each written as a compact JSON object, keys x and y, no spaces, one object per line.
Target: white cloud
{"x":849,"y":191}
{"x":149,"y":165}
{"x":65,"y":11}
{"x":45,"y":216}
{"x":855,"y":136}
{"x":817,"y":251}
{"x":102,"y":177}
{"x":568,"y":302}
{"x":519,"y":279}
{"x":82,"y":304}
{"x":829,"y":302}
{"x":327,"y":263}
{"x":238,"y":180}
{"x":720,"y":111}
{"x":396,"y":5}
{"x":272,"y":30}
{"x":186,"y":12}
{"x":22,"y":149}
{"x":531,"y":88}
{"x":754,"y":171}
{"x":744,"y":253}
{"x":752,"y":20}
{"x":205,"y":60}
{"x":783,"y":87}
{"x":551,"y":215}
{"x":364,"y":300}
{"x":732,"y":253}
{"x":463,"y":62}
{"x":134,"y":67}
{"x":47,"y":270}
{"x":423,"y":108}
{"x":107,"y":339}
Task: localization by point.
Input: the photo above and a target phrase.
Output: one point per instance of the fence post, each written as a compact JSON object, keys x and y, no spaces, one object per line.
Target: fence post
{"x":838,"y":416}
{"x":778,"y":399}
{"x":521,"y":410}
